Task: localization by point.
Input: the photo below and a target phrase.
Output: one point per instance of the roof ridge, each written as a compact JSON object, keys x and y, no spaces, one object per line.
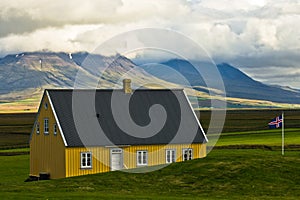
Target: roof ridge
{"x":117,"y":89}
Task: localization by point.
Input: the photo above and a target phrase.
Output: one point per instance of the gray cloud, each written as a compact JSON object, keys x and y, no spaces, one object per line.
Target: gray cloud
{"x":20,"y":22}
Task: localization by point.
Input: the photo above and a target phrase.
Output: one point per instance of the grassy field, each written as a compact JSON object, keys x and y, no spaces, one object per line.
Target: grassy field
{"x":17,"y":122}
{"x":264,"y":137}
{"x":228,"y":172}
{"x":252,"y":119}
{"x":223,"y":174}
{"x":15,"y":128}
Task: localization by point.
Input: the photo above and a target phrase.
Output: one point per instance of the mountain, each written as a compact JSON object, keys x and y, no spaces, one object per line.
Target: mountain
{"x":237,"y":84}
{"x":24,"y":76}
{"x":48,"y":69}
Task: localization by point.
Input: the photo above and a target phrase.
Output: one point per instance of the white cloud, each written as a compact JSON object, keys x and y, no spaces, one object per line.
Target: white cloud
{"x":230,"y":30}
{"x":233,"y":5}
{"x":57,"y":39}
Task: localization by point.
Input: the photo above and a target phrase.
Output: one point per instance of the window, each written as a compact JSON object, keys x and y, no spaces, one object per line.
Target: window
{"x":38,"y":128}
{"x":55,"y":129}
{"x":46,"y":126}
{"x":187,"y":154}
{"x":86,"y":160}
{"x":142,"y":158}
{"x":46,"y":106}
{"x":170,"y":156}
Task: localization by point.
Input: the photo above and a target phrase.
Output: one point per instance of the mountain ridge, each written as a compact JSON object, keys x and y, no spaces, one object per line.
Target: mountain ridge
{"x":237,"y":84}
{"x":23,"y":77}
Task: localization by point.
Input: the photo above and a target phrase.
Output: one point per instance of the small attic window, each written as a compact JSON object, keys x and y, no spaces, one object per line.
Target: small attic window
{"x":46,"y":105}
{"x":38,"y":128}
{"x":55,"y":129}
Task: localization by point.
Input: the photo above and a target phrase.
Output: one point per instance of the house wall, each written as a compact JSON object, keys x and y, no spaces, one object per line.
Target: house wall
{"x":101,"y":157}
{"x":100,"y":160}
{"x":157,"y":153}
{"x":47,"y":152}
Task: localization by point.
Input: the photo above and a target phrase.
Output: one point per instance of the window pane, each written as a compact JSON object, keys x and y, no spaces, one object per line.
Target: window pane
{"x":168,"y":156}
{"x":173,"y":156}
{"x":139,"y":157}
{"x":83,"y":162}
{"x":185,"y":156}
{"x":37,"y":128}
{"x":144,"y":157}
{"x":46,"y":127}
{"x":88,"y":161}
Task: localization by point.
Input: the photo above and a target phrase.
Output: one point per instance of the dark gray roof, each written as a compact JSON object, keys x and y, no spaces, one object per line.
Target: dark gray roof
{"x":111,"y":117}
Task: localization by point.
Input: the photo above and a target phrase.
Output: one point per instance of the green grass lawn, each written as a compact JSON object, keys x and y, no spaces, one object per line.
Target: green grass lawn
{"x":15,"y":150}
{"x":223,"y":174}
{"x":270,"y":137}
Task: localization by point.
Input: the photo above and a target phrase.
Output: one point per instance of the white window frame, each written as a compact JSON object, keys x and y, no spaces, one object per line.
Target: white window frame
{"x":46,"y":105}
{"x":190,"y":157}
{"x":143,"y":160}
{"x":37,"y":128}
{"x":170,"y":155}
{"x":84,"y":164}
{"x":55,"y":129}
{"x":46,"y":126}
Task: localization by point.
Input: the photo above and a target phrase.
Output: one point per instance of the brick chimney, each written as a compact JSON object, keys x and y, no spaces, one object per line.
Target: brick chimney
{"x":127,"y":86}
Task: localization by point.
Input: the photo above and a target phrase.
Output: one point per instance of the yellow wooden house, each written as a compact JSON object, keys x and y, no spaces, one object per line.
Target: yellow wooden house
{"x":79,"y":132}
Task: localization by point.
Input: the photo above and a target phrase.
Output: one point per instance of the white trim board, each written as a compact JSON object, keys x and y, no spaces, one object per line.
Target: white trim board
{"x":56,"y":119}
{"x":195,"y":115}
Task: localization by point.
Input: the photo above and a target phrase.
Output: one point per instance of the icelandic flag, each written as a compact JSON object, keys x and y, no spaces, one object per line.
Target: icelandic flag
{"x":276,"y":122}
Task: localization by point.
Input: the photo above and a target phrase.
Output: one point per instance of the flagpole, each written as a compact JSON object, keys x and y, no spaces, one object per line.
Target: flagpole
{"x":282,"y":135}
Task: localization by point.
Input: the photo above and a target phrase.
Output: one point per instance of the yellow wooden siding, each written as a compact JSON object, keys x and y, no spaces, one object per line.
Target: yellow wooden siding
{"x":157,"y":153}
{"x":101,"y":157}
{"x":100,"y":161}
{"x":47,"y":152}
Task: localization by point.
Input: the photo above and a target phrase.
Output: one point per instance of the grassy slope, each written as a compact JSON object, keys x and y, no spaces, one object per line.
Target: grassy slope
{"x":266,"y":137}
{"x":225,"y":174}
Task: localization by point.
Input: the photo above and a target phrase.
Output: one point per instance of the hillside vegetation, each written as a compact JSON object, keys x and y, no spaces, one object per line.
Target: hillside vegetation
{"x":226,"y":173}
{"x":223,"y":174}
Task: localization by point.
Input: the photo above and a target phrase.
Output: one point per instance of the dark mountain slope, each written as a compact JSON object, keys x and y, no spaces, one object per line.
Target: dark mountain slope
{"x":237,"y":84}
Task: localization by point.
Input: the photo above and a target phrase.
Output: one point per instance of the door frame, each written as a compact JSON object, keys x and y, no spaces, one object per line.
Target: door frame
{"x":116,"y":151}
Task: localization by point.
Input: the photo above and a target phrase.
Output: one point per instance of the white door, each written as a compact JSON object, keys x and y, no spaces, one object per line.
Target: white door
{"x":116,"y":157}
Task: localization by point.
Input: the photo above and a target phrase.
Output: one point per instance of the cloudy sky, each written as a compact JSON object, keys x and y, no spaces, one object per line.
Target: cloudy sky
{"x":260,"y":37}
